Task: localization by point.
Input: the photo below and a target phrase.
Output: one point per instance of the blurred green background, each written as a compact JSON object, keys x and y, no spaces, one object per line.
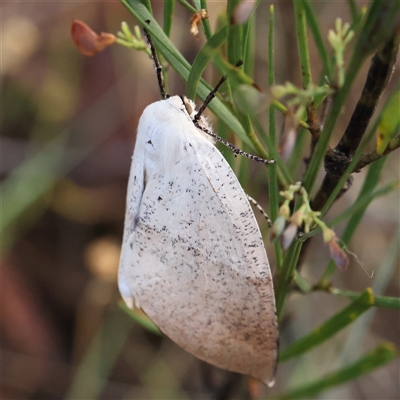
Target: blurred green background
{"x":68,"y":131}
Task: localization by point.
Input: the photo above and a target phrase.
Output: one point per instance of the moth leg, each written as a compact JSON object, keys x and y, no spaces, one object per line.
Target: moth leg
{"x":256,"y":204}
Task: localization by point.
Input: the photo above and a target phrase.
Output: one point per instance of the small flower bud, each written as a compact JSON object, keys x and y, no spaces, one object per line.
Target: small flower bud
{"x":196,"y":20}
{"x":328,"y":234}
{"x":284,"y":210}
{"x":338,"y":255}
{"x":277,"y":228}
{"x":87,"y":41}
{"x":297,"y":217}
{"x":288,"y":235}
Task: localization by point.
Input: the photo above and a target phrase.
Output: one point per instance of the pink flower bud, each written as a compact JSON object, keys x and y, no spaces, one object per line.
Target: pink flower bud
{"x":338,"y":255}
{"x":297,"y":217}
{"x":328,"y":234}
{"x":87,"y":41}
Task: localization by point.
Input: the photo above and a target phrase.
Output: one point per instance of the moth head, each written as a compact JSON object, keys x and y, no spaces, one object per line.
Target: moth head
{"x":190,"y":108}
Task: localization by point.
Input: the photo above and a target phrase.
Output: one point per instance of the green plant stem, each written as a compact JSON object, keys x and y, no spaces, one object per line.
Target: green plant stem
{"x":353,"y":10}
{"x":205,"y":22}
{"x":168,"y":14}
{"x":234,"y":46}
{"x":301,"y":31}
{"x":202,"y":59}
{"x":379,"y":301}
{"x":285,"y":275}
{"x":249,"y":44}
{"x":363,"y":202}
{"x":280,"y":107}
{"x":319,"y":42}
{"x":272,"y":170}
{"x":330,"y":327}
{"x":284,"y":177}
{"x":381,"y":355}
{"x":187,"y":5}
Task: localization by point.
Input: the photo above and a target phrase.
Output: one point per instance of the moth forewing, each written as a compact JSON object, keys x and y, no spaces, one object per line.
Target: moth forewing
{"x":193,"y":258}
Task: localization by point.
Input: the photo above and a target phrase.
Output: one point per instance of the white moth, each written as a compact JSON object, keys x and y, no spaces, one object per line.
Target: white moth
{"x":192,"y":257}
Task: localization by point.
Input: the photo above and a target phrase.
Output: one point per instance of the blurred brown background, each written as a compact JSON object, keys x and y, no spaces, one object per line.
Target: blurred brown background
{"x":68,"y":131}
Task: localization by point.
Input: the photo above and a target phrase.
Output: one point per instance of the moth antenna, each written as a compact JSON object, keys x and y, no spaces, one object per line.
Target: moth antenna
{"x":212,"y":94}
{"x":157,"y":65}
{"x":230,"y":146}
{"x":208,"y":99}
{"x":255,"y":203}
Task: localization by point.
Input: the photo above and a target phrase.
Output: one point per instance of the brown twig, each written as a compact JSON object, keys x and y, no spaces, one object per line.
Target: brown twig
{"x":314,"y":128}
{"x":369,"y":158}
{"x":338,"y":159}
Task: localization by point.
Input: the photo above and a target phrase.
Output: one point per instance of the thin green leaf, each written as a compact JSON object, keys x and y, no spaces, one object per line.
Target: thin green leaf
{"x":353,"y":344}
{"x":147,"y":4}
{"x":280,"y":107}
{"x":30,"y":181}
{"x":319,"y":42}
{"x":302,"y":42}
{"x":272,"y":170}
{"x":168,"y":13}
{"x":235,"y":43}
{"x":389,"y":122}
{"x":283,"y":174}
{"x":285,"y":275}
{"x":92,"y":374}
{"x":330,"y":327}
{"x":381,"y":355}
{"x":235,"y":75}
{"x":379,"y":301}
{"x":249,"y":43}
{"x":362,"y":202}
{"x":187,"y":5}
{"x":353,"y":10}
{"x":271,"y":47}
{"x":205,"y":22}
{"x":302,"y":283}
{"x":379,"y":25}
{"x":140,"y":318}
{"x":201,"y":61}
